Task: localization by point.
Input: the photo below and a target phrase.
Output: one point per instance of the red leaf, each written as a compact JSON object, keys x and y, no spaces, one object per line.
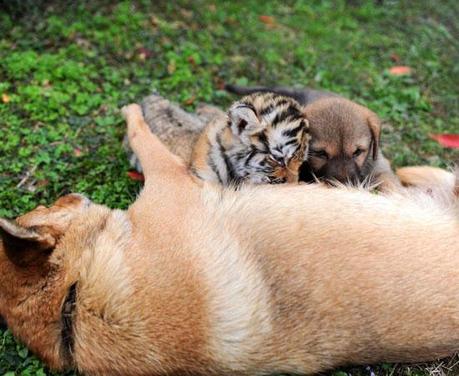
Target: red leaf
{"x":144,"y":53}
{"x":268,"y":20}
{"x":400,"y":70}
{"x":447,"y":140}
{"x":134,"y":175}
{"x":77,"y":152}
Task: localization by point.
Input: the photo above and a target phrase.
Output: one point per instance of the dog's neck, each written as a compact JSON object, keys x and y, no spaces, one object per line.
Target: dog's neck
{"x":67,"y":320}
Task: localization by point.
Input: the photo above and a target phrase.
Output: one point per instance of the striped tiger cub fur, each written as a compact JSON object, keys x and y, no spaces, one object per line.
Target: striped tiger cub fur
{"x":263,"y":140}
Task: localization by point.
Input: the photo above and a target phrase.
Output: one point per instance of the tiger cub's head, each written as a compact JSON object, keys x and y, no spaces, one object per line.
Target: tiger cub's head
{"x":276,"y":133}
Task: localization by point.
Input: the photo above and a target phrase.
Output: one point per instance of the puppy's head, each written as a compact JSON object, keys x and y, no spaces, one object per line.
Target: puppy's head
{"x":344,"y":141}
{"x":31,"y":279}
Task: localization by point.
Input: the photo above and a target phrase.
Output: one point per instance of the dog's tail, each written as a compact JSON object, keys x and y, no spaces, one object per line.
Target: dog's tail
{"x":430,"y":178}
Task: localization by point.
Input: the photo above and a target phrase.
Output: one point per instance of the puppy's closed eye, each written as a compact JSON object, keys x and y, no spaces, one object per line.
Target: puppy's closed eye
{"x":322,"y":154}
{"x":358,"y":152}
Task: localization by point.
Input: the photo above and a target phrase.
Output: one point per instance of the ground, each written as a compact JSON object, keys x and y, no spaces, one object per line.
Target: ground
{"x":67,"y":67}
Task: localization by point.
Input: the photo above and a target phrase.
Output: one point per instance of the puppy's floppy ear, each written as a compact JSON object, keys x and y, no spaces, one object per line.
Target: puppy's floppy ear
{"x":374,"y":125}
{"x":25,"y":246}
{"x":243,"y":120}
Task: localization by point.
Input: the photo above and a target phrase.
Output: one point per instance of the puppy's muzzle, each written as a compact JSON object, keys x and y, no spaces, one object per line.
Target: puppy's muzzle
{"x":330,"y":174}
{"x":341,"y":170}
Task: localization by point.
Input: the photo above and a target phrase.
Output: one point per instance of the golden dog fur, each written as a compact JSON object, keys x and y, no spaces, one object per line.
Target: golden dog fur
{"x":197,"y":279}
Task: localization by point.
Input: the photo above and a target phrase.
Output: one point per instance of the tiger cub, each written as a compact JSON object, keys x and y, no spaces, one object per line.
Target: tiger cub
{"x":263,"y":140}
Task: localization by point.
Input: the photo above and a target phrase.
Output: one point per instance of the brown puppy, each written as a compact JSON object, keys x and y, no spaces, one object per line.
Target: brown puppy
{"x":194,"y":279}
{"x":345,"y":138}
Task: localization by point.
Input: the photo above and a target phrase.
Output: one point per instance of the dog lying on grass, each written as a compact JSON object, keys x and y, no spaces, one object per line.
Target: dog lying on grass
{"x":196,"y":279}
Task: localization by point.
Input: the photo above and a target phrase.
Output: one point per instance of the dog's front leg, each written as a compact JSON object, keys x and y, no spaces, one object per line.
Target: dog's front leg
{"x":161,"y":211}
{"x":155,"y":158}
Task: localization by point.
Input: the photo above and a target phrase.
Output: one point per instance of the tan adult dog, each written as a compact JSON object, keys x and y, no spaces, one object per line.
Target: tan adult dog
{"x":196,"y":279}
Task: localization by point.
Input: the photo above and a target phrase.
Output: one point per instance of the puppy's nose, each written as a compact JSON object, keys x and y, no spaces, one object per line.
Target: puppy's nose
{"x":338,"y":170}
{"x":338,"y":174}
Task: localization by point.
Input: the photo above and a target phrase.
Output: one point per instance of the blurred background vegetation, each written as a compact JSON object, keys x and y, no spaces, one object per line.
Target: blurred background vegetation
{"x":66,"y":67}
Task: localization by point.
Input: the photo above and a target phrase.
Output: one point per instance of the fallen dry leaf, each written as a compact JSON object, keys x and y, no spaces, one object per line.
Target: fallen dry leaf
{"x":447,"y":140}
{"x":134,"y":175}
{"x":188,"y":14}
{"x":144,"y":53}
{"x":191,"y":60}
{"x":189,"y":101}
{"x":42,"y":183}
{"x":5,"y":98}
{"x":395,"y":58}
{"x":268,"y":20}
{"x":154,"y":21}
{"x":171,"y":67}
{"x":219,"y":83}
{"x":400,"y":70}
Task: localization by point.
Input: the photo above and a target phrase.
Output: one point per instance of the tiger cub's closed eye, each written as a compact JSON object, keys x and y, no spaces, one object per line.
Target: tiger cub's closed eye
{"x":276,"y":161}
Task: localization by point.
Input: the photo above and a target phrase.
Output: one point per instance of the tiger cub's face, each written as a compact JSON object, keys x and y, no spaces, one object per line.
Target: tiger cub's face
{"x":275,"y":131}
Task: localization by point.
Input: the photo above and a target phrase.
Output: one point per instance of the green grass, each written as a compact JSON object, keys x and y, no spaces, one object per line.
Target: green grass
{"x":65,"y":70}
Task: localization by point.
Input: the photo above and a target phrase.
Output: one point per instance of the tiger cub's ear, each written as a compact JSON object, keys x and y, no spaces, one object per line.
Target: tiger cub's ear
{"x":243,"y":120}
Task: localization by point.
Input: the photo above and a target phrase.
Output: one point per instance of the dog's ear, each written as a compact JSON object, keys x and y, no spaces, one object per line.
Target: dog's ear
{"x":25,"y":246}
{"x":374,"y":125}
{"x":243,"y":120}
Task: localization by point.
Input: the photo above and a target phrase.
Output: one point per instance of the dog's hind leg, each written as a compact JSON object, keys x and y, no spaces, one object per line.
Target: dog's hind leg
{"x":155,"y":158}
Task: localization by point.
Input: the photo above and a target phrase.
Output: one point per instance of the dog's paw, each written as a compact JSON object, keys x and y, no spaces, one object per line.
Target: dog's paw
{"x":135,"y":122}
{"x":132,"y":112}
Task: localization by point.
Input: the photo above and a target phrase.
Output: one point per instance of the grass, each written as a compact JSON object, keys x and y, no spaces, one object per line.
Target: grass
{"x":67,"y":67}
